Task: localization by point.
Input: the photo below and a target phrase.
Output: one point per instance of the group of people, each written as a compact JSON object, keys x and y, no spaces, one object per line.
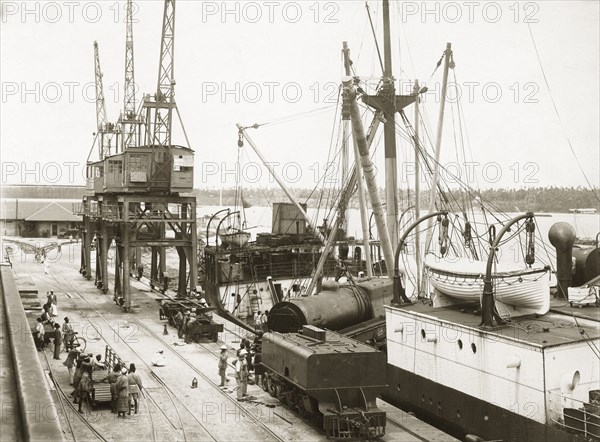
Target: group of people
{"x":47,"y":327}
{"x":125,"y":384}
{"x":125,"y":389}
{"x":248,"y":360}
{"x":261,"y":321}
{"x":81,"y":372}
{"x":186,"y":322}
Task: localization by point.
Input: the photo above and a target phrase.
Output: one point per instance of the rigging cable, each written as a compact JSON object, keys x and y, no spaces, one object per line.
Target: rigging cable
{"x":558,"y":115}
{"x":374,"y":36}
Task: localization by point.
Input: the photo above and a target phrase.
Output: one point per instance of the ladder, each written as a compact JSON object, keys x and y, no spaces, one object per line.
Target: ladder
{"x":255,"y":301}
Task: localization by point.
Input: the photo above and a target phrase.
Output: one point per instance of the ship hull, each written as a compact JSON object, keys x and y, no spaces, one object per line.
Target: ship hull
{"x":460,"y":414}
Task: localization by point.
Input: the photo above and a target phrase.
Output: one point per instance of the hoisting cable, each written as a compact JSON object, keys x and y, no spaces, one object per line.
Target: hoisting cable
{"x":374,"y":36}
{"x":558,"y":115}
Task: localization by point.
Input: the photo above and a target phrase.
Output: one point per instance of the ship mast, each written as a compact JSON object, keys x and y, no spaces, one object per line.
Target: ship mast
{"x":448,"y":63}
{"x":359,"y":175}
{"x":389,"y":103}
{"x":369,"y":170}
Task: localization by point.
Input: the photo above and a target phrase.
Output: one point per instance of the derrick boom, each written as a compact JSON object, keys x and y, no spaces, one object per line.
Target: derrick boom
{"x":129,"y":121}
{"x":159,"y":128}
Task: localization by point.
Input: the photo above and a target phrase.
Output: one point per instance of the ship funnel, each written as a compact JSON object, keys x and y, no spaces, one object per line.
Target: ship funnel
{"x":562,"y":236}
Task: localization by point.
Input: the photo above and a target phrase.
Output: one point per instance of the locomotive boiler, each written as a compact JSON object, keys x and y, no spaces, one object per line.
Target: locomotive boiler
{"x":328,"y":378}
{"x":336,"y":307}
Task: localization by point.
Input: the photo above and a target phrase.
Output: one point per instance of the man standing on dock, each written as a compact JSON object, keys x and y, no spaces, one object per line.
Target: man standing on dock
{"x":223,"y":365}
{"x":184,"y":323}
{"x":39,"y":328}
{"x":57,"y":341}
{"x":122,"y":389}
{"x":68,"y":334}
{"x":241,"y":375}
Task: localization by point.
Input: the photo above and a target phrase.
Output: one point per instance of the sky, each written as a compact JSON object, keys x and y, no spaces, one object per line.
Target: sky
{"x":280,"y":63}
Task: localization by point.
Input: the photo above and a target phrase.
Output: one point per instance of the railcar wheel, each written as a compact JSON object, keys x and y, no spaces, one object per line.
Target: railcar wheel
{"x":302,"y":411}
{"x":270,"y":386}
{"x":278,"y":389}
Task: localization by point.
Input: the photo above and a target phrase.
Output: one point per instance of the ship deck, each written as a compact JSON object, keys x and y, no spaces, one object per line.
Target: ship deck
{"x":564,"y":324}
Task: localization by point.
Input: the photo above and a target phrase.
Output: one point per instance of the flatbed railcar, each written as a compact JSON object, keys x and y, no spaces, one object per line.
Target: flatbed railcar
{"x":205,"y":327}
{"x":328,"y":378}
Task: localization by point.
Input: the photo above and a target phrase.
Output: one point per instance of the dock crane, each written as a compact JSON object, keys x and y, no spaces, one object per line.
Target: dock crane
{"x":140,"y":197}
{"x":159,"y":108}
{"x":105,"y":131}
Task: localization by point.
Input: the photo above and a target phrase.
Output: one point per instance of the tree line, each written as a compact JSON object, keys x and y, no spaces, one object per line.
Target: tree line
{"x":545,"y":199}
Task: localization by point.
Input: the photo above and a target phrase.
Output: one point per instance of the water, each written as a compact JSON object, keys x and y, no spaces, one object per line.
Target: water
{"x":259,"y":220}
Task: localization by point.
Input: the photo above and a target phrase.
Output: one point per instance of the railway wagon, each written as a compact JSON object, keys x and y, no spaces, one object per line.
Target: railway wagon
{"x":204,"y":328}
{"x":328,"y":378}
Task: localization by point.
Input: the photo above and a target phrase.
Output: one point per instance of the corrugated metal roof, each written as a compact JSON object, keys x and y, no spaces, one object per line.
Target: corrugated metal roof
{"x":53,"y":212}
{"x":23,"y":208}
{"x":45,"y":191}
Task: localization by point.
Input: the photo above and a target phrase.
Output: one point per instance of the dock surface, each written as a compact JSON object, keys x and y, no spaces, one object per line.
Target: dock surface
{"x":170,"y":409}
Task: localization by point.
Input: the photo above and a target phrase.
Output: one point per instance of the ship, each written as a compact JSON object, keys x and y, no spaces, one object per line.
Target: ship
{"x":481,"y":351}
{"x":512,"y":376}
{"x":242,"y":277}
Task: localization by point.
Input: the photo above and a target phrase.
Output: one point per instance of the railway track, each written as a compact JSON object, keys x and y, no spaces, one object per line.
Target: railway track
{"x":62,"y":399}
{"x":170,"y":298}
{"x":404,"y":428}
{"x":242,"y":409}
{"x":172,"y":395}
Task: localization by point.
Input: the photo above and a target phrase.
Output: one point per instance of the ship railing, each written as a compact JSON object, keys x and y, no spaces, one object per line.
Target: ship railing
{"x":574,"y":415}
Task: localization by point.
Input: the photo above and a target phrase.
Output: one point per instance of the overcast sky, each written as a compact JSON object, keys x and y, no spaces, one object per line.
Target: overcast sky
{"x":258,"y":62}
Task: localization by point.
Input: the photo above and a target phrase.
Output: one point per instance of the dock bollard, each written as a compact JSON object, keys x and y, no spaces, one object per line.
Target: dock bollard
{"x":165,"y":331}
{"x":194,"y":383}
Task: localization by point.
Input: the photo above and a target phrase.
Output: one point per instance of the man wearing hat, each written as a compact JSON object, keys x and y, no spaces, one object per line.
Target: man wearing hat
{"x":241,"y":375}
{"x":68,"y":334}
{"x":122,"y":389}
{"x":223,"y":365}
{"x":186,"y":318}
{"x":203,"y":303}
{"x":189,"y":328}
{"x":70,"y":362}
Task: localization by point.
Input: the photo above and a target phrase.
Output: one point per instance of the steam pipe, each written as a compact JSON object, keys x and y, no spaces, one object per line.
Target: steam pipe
{"x":399,"y":291}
